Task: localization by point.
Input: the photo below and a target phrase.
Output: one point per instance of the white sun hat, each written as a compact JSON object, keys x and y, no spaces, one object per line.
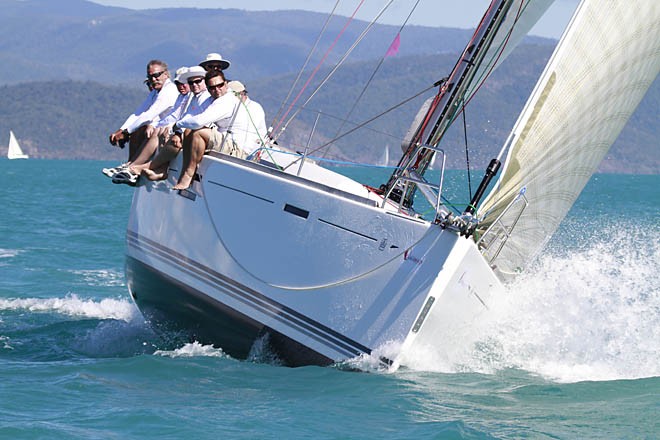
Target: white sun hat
{"x":179,"y":74}
{"x":215,"y":58}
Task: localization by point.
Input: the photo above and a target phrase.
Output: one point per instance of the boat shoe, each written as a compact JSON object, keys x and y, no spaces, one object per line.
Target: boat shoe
{"x":110,"y":172}
{"x":126,"y":176}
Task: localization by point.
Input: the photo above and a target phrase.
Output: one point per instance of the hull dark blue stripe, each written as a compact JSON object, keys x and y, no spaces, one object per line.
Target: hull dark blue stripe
{"x":250,"y":297}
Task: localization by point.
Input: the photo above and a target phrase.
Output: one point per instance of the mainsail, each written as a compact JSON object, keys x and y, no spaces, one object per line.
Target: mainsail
{"x":602,"y":67}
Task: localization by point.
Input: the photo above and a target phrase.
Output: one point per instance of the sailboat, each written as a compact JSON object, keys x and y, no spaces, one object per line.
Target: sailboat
{"x":385,"y":160}
{"x":14,"y":151}
{"x":278,"y":250}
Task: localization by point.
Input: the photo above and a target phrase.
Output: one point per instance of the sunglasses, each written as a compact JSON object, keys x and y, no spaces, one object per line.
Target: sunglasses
{"x":195,"y":81}
{"x":155,"y":75}
{"x":217,"y":86}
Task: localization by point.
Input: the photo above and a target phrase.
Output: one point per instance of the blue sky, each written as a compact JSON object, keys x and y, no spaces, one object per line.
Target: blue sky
{"x":428,"y":13}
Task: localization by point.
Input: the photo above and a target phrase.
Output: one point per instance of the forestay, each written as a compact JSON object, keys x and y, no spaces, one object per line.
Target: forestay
{"x":599,"y":72}
{"x":518,"y":17}
{"x":521,"y":16}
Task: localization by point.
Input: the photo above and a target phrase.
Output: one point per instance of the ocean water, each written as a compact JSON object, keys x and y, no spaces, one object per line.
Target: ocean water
{"x":571,"y":352}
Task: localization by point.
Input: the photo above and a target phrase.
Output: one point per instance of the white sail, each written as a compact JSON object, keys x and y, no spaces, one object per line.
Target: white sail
{"x":14,"y":151}
{"x":603,"y":65}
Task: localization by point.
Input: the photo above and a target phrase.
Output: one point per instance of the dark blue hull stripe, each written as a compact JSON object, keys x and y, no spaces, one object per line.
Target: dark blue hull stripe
{"x":261,"y":303}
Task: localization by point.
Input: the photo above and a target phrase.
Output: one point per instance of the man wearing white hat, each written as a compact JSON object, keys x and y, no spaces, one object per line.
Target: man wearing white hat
{"x":214,"y":61}
{"x":255,"y":137}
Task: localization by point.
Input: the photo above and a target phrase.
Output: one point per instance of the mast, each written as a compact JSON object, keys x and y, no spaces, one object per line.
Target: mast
{"x":450,"y":98}
{"x":486,"y":49}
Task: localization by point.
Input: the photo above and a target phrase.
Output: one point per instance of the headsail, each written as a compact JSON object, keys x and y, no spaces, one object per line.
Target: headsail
{"x":602,"y":67}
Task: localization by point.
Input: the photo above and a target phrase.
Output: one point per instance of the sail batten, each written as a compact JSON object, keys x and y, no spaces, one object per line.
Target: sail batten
{"x":598,"y":74}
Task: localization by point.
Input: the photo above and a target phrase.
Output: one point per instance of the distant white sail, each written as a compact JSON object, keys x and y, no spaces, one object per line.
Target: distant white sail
{"x":602,"y":67}
{"x":14,"y":151}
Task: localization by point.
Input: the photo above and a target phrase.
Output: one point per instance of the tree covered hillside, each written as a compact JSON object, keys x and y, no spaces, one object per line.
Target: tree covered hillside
{"x":67,"y":119}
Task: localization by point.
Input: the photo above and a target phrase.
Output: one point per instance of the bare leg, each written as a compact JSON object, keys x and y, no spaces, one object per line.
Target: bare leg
{"x":136,"y":140}
{"x":145,"y":152}
{"x":156,"y":173}
{"x":194,"y":146}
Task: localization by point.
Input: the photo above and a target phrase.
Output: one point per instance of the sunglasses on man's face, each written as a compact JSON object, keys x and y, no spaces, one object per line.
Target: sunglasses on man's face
{"x":155,"y":75}
{"x":217,"y":86}
{"x":195,"y":81}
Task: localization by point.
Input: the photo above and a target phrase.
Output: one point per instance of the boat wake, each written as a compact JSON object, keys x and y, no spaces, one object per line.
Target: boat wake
{"x":193,"y":349}
{"x":72,"y":305}
{"x":578,"y":314}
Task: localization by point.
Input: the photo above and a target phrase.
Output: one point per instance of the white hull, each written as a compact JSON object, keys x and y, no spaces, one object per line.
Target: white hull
{"x":326,"y":273}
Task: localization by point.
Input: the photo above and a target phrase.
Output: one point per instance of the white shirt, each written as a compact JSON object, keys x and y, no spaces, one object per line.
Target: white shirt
{"x":254,"y":136}
{"x":156,"y":105}
{"x":219,"y":112}
{"x":193,"y":104}
{"x":180,"y":106}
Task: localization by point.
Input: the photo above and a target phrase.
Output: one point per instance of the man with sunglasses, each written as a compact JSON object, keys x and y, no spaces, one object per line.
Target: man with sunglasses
{"x":157,"y":104}
{"x":172,"y":142}
{"x":212,"y":128}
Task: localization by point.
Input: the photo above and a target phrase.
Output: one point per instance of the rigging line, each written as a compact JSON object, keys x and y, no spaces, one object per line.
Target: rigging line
{"x":499,"y":54}
{"x":467,"y":154}
{"x":382,"y":60}
{"x":496,"y":57}
{"x":340,"y":119}
{"x":309,"y":57}
{"x":338,"y":65}
{"x":318,"y":66}
{"x":486,"y":74}
{"x":368,"y":121}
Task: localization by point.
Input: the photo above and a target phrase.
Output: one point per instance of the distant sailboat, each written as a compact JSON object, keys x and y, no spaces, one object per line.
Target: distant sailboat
{"x":385,"y":160}
{"x":14,"y":151}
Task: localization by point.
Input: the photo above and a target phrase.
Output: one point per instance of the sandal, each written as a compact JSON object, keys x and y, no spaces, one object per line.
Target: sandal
{"x":110,"y":172}
{"x":126,"y":176}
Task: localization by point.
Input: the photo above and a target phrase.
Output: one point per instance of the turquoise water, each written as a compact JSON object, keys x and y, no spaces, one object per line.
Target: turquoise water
{"x":572,"y":351}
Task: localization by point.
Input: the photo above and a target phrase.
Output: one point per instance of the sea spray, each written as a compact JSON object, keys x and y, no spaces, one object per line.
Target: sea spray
{"x":588,"y":313}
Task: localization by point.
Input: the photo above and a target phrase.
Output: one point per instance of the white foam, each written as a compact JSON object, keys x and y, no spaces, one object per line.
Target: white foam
{"x":193,"y":349}
{"x":72,"y":305}
{"x":589,"y":314}
{"x":102,"y":277}
{"x":5,"y":341}
{"x":9,"y":253}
